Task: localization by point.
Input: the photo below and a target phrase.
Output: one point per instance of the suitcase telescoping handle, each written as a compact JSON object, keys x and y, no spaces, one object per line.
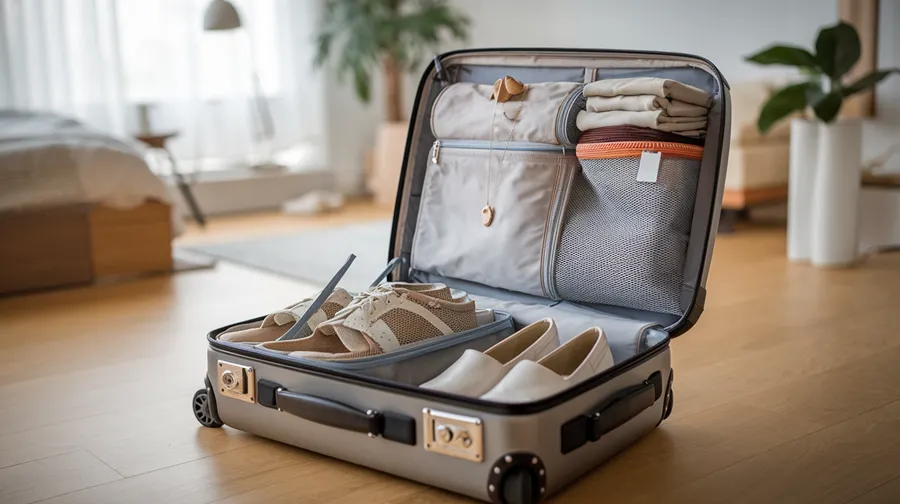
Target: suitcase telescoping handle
{"x":612,"y":413}
{"x":323,"y":411}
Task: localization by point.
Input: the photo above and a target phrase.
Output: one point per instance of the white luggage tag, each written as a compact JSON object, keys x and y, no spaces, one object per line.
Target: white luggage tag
{"x":648,"y":171}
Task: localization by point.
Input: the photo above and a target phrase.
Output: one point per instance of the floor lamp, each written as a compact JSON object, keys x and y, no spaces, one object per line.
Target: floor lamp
{"x":222,"y":15}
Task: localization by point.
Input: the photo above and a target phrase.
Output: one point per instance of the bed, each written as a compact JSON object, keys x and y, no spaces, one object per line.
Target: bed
{"x":76,"y":206}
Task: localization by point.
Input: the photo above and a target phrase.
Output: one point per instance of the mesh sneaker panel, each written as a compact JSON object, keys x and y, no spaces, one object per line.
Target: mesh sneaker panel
{"x":409,"y":327}
{"x":439,"y":293}
{"x":458,"y":321}
{"x":624,"y":242}
{"x":330,"y":308}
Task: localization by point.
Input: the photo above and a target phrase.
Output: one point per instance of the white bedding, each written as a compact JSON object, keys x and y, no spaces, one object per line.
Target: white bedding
{"x":46,"y":159}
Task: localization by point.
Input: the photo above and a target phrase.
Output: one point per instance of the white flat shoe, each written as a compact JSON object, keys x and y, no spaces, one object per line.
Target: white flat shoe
{"x":577,"y":360}
{"x":475,"y":373}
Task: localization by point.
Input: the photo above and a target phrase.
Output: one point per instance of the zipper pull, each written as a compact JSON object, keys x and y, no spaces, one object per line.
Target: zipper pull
{"x":439,"y":74}
{"x":436,"y":151}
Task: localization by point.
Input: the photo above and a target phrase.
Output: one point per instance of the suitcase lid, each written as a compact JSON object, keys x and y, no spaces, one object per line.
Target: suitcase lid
{"x":531,"y":66}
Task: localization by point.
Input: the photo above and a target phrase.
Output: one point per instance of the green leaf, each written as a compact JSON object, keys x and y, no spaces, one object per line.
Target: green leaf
{"x":362,"y":85}
{"x":782,"y":104}
{"x":869,"y":81}
{"x":837,"y":49}
{"x":828,"y":106}
{"x":784,"y":55}
{"x":358,"y":34}
{"x":323,"y":47}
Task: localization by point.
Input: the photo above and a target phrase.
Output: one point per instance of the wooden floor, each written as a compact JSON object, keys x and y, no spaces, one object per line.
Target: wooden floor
{"x":787,"y":391}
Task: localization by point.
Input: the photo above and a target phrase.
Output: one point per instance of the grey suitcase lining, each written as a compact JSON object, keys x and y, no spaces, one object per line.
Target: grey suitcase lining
{"x":708,"y":186}
{"x":646,"y":340}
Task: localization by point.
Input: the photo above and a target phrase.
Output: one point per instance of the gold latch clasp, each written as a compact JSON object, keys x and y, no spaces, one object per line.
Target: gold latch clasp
{"x":237,"y":382}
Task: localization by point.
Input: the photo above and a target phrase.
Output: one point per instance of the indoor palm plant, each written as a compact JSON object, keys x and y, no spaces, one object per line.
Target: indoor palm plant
{"x":825,"y":152}
{"x":364,"y":37}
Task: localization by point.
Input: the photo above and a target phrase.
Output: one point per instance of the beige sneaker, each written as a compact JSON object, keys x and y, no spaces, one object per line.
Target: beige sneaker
{"x":384,"y":320}
{"x":276,"y":324}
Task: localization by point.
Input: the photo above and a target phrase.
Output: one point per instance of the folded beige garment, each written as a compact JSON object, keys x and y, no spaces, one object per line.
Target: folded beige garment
{"x":656,"y":119}
{"x":673,"y":108}
{"x":664,"y":88}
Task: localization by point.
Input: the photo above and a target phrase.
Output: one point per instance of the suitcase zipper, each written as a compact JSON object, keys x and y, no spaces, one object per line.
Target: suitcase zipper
{"x":435,"y":151}
{"x":565,"y":111}
{"x":498,"y":147}
{"x":608,"y":150}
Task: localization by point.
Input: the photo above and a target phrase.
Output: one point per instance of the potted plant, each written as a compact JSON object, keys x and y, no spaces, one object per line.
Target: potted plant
{"x":825,"y":152}
{"x":393,"y":36}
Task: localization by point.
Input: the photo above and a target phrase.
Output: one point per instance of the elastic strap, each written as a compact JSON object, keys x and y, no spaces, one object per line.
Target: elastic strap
{"x":294,"y":331}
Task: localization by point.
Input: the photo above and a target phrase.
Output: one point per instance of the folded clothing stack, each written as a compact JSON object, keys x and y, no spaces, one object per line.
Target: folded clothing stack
{"x":649,"y":102}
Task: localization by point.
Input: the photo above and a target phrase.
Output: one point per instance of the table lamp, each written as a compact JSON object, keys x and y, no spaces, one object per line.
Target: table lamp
{"x":222,"y":15}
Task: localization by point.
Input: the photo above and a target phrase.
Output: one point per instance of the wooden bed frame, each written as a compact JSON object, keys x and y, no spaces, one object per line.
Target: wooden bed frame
{"x":81,"y":244}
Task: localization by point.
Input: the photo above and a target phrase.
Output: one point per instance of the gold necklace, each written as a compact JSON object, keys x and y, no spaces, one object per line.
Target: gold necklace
{"x":487,"y":213}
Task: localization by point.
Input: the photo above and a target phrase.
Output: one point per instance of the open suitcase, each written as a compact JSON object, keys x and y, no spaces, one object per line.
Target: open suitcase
{"x":579,"y":240}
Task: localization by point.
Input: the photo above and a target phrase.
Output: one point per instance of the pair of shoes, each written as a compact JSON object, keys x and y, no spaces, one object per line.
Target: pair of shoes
{"x":374,"y":322}
{"x":276,"y":324}
{"x":527,"y":366}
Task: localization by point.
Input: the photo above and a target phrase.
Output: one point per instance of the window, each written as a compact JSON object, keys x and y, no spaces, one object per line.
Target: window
{"x":203,"y":83}
{"x":102,"y":61}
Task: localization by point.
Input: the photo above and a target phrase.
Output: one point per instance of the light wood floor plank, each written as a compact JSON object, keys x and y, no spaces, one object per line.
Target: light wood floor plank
{"x":48,"y":477}
{"x":887,"y":493}
{"x":787,"y":391}
{"x":833,"y":465}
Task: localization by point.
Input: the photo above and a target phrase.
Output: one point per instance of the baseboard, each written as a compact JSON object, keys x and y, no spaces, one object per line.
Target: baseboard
{"x":254,"y":192}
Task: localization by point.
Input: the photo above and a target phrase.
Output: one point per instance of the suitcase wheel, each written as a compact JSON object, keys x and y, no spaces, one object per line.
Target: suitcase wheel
{"x":670,"y":403}
{"x":517,"y":478}
{"x":520,"y":486}
{"x":204,"y":407}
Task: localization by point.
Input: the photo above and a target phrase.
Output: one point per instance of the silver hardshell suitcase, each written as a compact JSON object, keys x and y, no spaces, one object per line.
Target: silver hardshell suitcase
{"x":629,"y":257}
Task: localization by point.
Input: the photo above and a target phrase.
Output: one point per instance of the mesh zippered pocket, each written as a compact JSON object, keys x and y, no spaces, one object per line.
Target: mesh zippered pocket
{"x":624,"y":242}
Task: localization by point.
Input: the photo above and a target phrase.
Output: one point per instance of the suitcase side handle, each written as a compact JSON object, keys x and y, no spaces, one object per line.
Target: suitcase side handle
{"x":612,"y":413}
{"x":390,"y":426}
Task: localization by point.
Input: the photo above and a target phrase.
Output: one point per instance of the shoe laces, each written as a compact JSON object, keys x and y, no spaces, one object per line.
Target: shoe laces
{"x":371,"y":301}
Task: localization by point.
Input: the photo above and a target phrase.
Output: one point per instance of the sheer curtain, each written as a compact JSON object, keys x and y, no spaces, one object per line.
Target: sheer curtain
{"x":99,"y":60}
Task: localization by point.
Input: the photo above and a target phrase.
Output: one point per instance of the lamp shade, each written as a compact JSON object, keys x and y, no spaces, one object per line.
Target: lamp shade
{"x":221,"y":15}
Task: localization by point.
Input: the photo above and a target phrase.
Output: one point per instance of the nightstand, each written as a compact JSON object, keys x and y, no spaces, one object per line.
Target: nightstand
{"x":158,"y":142}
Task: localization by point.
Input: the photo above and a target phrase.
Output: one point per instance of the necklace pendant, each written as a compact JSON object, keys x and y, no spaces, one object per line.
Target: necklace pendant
{"x":487,"y":215}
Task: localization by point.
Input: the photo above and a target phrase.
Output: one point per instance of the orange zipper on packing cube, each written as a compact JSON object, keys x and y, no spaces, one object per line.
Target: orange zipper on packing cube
{"x":609,"y":150}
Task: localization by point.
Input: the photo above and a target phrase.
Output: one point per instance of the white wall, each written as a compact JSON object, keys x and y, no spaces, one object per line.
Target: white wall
{"x":723,"y":31}
{"x":880,"y":208}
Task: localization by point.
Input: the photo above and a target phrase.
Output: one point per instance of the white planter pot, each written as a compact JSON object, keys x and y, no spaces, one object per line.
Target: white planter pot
{"x":803,"y":163}
{"x":835,"y":202}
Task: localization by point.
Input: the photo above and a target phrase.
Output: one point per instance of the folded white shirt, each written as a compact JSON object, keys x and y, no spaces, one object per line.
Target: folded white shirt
{"x":656,"y":119}
{"x":664,"y":88}
{"x":637,"y":103}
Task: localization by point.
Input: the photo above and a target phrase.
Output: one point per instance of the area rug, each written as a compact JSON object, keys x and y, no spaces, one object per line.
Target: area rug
{"x":314,"y":255}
